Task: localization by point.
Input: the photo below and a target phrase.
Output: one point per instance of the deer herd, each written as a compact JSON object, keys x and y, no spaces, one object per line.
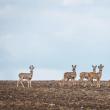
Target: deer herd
{"x":68,"y":76}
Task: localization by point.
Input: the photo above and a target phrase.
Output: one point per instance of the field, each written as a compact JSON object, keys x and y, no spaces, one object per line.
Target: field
{"x":49,"y":95}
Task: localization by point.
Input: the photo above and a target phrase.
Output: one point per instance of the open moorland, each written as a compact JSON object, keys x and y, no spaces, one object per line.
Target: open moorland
{"x":49,"y":95}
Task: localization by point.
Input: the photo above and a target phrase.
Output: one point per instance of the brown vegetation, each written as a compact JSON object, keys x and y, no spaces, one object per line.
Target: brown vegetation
{"x":48,"y":95}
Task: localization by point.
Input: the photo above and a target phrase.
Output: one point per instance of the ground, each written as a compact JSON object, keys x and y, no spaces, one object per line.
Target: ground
{"x":49,"y":95}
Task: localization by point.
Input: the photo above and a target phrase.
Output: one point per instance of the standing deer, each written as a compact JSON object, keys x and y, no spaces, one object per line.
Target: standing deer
{"x":85,"y":75}
{"x":70,"y":75}
{"x":26,"y":77}
{"x":96,"y":75}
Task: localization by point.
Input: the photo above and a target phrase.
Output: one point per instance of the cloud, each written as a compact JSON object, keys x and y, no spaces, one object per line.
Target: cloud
{"x":77,"y":2}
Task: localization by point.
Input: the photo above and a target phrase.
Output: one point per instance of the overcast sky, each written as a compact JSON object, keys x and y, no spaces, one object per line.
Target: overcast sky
{"x":52,"y":35}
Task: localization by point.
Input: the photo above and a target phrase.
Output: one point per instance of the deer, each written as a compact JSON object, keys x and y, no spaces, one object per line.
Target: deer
{"x":70,"y":75}
{"x":96,"y":75}
{"x":84,"y":75}
{"x":26,"y":77}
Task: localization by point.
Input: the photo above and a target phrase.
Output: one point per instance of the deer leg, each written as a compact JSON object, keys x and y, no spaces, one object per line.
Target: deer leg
{"x":85,"y":83}
{"x":22,"y":83}
{"x":91,"y":81}
{"x":17,"y":83}
{"x":66,"y":79}
{"x":82,"y":81}
{"x":30,"y":83}
{"x":98,"y":83}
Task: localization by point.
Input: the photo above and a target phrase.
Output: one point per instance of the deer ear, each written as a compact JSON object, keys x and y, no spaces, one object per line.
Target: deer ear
{"x":72,"y":65}
{"x":32,"y":67}
{"x":101,"y":65}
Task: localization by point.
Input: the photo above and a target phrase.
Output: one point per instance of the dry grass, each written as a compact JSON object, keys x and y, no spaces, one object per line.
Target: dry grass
{"x":48,"y":95}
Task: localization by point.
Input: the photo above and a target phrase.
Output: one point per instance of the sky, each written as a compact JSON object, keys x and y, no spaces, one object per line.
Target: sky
{"x":53,"y":35}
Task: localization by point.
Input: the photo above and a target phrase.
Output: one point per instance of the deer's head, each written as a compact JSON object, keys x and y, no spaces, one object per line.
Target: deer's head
{"x":100,"y":67}
{"x":74,"y":67}
{"x":94,"y":67}
{"x":31,"y":67}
